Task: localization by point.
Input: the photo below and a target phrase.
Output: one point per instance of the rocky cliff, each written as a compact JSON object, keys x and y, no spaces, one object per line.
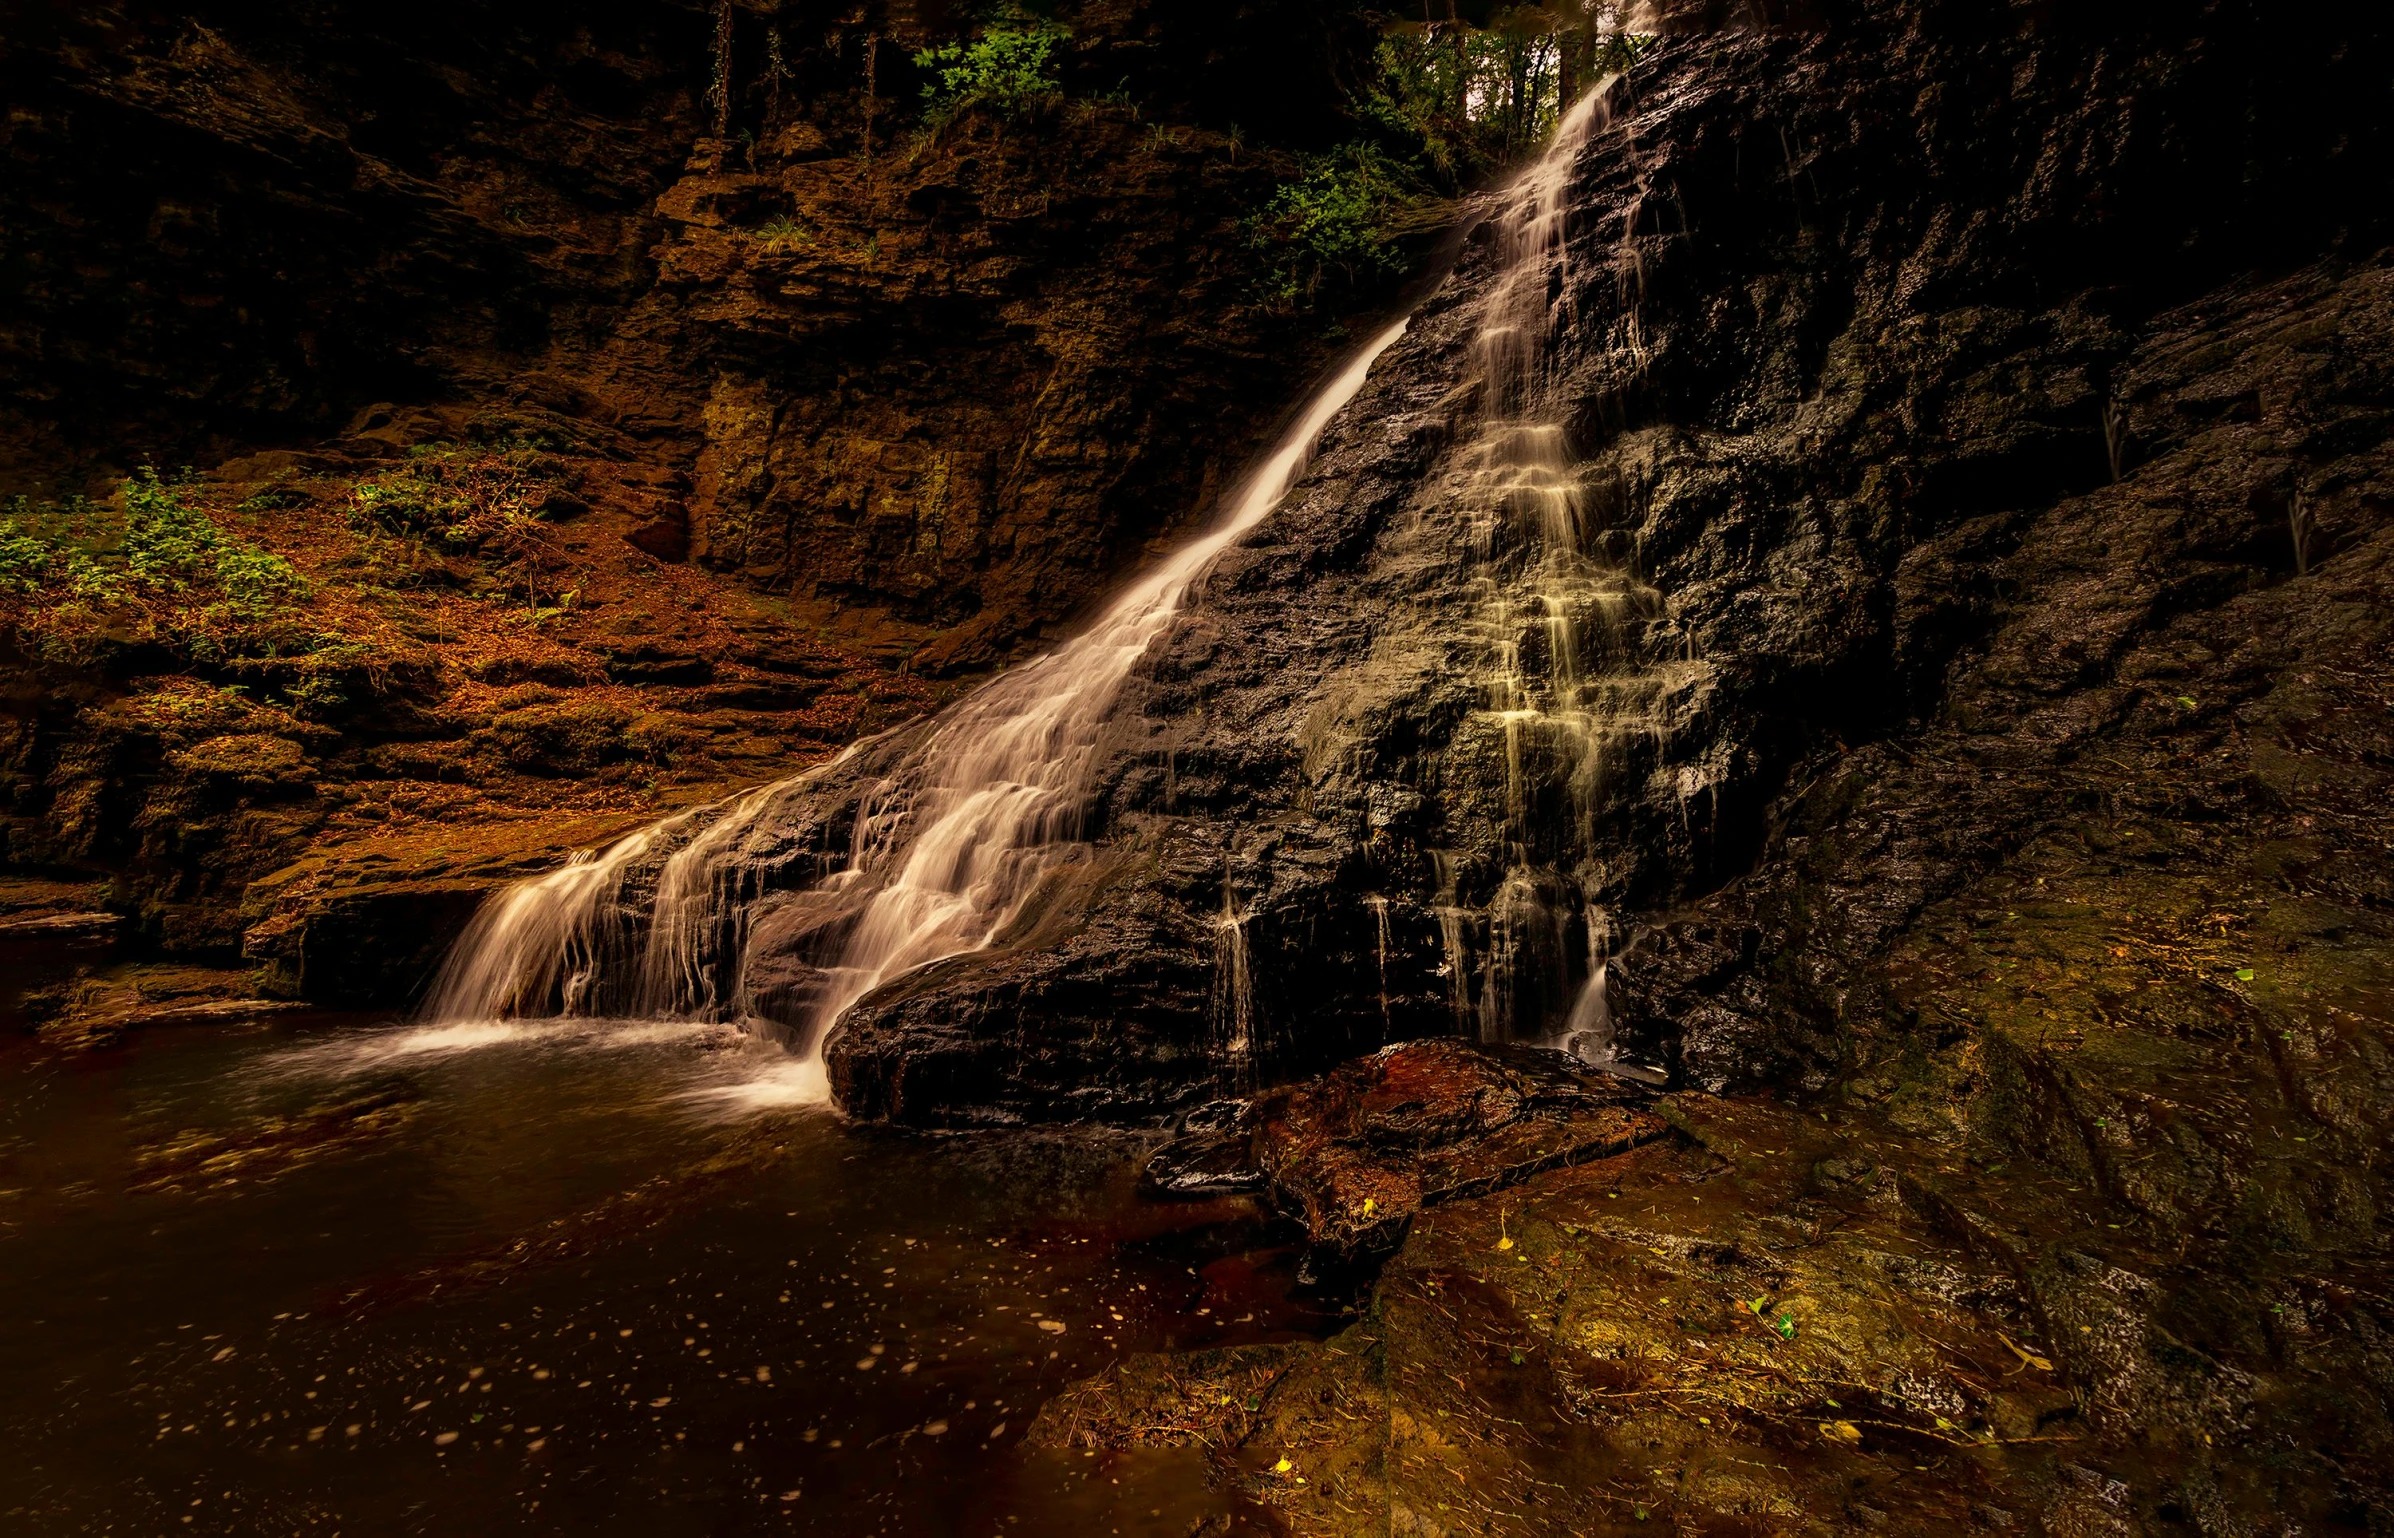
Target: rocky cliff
{"x":1982,"y":408}
{"x":1860,"y":315}
{"x":810,"y":407}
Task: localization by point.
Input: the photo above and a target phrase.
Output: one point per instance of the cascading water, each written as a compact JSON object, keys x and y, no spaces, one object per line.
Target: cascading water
{"x":1553,"y":602}
{"x":928,"y":842}
{"x":946,"y":844}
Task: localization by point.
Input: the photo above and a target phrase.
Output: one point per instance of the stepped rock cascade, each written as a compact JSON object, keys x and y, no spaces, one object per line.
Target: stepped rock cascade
{"x":1566,"y":627}
{"x":1030,"y":819}
{"x":963,"y":820}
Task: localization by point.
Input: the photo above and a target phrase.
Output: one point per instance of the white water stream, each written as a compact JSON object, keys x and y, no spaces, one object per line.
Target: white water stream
{"x":947,"y":846}
{"x":952,"y":838}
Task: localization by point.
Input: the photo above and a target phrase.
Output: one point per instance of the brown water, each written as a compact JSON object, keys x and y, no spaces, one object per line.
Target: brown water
{"x":341,"y":1275}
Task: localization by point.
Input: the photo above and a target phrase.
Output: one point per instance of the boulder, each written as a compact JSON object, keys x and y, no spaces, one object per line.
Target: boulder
{"x":1354,"y":1155}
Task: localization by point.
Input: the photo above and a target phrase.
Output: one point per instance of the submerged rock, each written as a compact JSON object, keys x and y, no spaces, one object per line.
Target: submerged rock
{"x":100,"y":1007}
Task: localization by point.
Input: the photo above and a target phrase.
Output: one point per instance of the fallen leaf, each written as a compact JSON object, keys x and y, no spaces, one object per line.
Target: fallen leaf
{"x":2028,"y":1357}
{"x":1841,"y":1431}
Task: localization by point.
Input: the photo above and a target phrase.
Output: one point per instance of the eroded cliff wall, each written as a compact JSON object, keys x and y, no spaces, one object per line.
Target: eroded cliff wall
{"x":813,"y":407}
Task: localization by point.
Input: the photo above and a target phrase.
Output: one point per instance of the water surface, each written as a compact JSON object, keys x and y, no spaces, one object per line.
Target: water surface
{"x":325,"y":1274}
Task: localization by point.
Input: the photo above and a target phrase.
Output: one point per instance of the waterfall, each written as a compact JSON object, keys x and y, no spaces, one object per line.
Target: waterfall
{"x":788,"y":903}
{"x":947,"y":841}
{"x":1234,"y":987}
{"x":1559,"y":633}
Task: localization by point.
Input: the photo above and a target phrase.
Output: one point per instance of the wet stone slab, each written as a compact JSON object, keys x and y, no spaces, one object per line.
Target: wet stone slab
{"x":1355,"y":1155}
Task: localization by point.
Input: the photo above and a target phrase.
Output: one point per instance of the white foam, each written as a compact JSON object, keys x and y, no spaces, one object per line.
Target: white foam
{"x":781,"y":1083}
{"x":720,"y":1068}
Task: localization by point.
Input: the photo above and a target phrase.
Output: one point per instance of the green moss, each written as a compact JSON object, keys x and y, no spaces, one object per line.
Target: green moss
{"x":561,"y":738}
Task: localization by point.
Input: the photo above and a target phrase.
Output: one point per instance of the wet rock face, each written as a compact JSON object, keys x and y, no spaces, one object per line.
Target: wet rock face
{"x":1853,"y":324}
{"x":2000,"y":778}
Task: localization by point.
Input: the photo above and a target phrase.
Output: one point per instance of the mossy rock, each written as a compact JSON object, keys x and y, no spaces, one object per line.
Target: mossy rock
{"x":566,"y":738}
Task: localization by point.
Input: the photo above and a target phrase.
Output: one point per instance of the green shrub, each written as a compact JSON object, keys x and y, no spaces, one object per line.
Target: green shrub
{"x":26,"y":562}
{"x":167,"y":544}
{"x":1011,"y":68}
{"x":486,"y":502}
{"x":461,"y":498}
{"x":1335,"y":218}
{"x":257,"y":579}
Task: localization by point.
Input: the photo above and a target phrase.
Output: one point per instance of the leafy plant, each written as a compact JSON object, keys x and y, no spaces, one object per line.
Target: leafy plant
{"x":26,"y":561}
{"x":486,"y":502}
{"x":172,"y":546}
{"x":1335,"y":219}
{"x":1010,"y":68}
{"x":782,"y":234}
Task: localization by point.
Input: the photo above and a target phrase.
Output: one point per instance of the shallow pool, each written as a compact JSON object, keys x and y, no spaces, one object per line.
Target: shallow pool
{"x":326,"y":1274}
